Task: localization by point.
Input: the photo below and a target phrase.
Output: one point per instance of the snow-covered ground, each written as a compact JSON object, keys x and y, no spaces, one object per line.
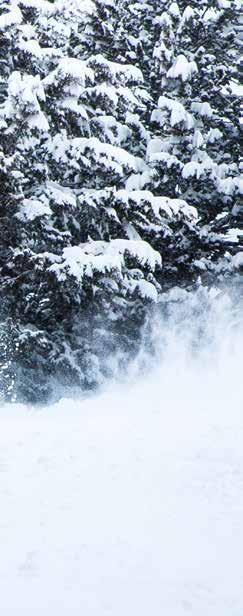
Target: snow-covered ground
{"x":129,"y":503}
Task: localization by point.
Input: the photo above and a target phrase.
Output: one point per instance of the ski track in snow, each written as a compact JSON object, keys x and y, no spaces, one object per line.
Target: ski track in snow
{"x":128,"y":503}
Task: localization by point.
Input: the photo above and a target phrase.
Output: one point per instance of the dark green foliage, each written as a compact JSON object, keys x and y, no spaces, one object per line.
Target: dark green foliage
{"x":109,"y":194}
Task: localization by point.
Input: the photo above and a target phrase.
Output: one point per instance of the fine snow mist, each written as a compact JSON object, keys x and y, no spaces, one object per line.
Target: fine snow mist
{"x":131,"y":501}
{"x":194,"y":335}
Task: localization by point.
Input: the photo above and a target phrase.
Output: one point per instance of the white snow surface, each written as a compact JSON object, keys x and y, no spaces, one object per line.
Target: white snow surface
{"x":182,"y":68}
{"x":127,"y":72}
{"x":32,"y":209}
{"x":103,"y":257}
{"x":177,"y":111}
{"x":131,"y":502}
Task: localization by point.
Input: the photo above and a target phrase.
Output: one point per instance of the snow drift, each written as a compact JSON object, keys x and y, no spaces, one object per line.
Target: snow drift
{"x":130,"y":502}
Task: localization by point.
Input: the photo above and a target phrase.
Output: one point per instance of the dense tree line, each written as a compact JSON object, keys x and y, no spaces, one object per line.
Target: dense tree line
{"x":119,"y":154}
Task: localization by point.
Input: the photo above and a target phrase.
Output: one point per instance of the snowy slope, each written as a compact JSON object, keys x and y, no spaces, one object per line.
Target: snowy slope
{"x":131,"y":502}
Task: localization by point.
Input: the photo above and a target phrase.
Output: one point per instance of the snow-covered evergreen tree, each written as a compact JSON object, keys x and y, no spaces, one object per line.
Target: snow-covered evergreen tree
{"x":68,"y":281}
{"x":197,"y":117}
